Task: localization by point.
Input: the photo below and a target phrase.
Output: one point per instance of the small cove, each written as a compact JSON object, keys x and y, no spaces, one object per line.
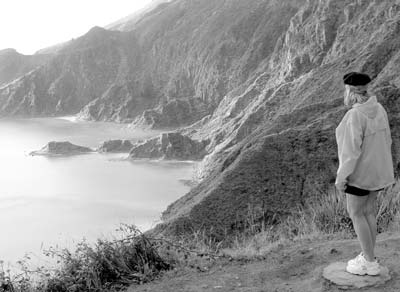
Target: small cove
{"x":57,"y":201}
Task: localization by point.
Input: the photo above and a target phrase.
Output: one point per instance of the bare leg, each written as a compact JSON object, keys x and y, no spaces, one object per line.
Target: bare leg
{"x":356,"y":206}
{"x":371,"y":216}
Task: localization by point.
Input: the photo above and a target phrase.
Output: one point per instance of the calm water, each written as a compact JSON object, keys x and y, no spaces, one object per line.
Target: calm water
{"x":59,"y":200}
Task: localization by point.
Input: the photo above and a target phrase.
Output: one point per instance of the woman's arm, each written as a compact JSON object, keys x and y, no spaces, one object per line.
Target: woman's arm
{"x":349,"y":150}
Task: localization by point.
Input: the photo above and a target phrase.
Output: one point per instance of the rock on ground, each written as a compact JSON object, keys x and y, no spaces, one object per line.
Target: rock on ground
{"x":336,"y":273}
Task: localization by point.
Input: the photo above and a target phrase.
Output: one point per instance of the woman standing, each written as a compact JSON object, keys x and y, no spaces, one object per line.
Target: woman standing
{"x":365,"y":165}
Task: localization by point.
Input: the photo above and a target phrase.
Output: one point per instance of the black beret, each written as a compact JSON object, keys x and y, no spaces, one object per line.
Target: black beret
{"x":356,"y":78}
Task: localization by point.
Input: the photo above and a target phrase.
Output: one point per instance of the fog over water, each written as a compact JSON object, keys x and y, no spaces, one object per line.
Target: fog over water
{"x":59,"y":200}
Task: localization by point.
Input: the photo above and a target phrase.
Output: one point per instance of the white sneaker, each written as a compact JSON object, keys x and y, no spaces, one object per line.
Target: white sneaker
{"x":355,"y":260}
{"x":360,"y":266}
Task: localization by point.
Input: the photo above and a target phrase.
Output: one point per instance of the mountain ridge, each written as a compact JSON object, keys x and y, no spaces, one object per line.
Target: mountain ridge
{"x":260,"y":80}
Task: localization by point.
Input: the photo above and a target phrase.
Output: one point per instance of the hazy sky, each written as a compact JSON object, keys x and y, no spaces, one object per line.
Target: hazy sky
{"x":30,"y":25}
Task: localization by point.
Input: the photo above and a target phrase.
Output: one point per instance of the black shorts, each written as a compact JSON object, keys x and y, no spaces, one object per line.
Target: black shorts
{"x":357,"y":191}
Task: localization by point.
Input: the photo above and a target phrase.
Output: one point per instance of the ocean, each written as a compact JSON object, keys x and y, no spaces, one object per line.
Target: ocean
{"x":58,"y":201}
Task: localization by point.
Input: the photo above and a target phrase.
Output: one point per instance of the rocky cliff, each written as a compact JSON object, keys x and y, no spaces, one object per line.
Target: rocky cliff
{"x":260,"y":80}
{"x":273,"y":137}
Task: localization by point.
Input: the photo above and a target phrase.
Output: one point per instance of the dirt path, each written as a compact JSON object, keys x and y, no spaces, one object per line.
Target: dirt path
{"x":296,"y":268}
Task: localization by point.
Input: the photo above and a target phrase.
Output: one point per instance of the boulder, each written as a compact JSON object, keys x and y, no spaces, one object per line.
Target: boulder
{"x":61,"y":148}
{"x":336,"y":273}
{"x":170,"y":146}
{"x":116,"y":146}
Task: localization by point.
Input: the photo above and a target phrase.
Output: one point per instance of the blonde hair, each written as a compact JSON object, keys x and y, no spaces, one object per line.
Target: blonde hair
{"x":355,"y":94}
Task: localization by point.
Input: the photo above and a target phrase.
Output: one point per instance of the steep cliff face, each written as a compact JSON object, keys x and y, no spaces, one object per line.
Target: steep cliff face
{"x":273,"y":138}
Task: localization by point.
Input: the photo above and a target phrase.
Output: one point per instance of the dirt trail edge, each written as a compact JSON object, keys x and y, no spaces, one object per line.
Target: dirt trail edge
{"x":294,"y":268}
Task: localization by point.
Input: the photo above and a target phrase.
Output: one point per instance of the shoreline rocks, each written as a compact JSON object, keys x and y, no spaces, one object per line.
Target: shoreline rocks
{"x":115,"y":146}
{"x":61,"y":148}
{"x":170,"y":146}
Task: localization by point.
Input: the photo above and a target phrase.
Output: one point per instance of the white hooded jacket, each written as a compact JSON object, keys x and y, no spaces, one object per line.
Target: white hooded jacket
{"x":364,"y":147}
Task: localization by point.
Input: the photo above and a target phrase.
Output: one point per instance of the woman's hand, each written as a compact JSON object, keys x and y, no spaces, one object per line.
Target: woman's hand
{"x":340,"y":185}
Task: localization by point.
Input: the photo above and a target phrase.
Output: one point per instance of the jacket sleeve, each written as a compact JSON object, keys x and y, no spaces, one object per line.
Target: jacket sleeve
{"x":349,"y":149}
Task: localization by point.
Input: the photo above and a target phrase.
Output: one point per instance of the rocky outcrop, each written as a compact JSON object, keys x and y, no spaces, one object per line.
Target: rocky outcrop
{"x":170,"y":146}
{"x":61,"y":148}
{"x":115,"y":146}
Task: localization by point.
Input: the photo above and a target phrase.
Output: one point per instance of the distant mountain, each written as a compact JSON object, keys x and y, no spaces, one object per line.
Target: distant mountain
{"x":87,"y":68}
{"x":260,"y":79}
{"x":14,"y":64}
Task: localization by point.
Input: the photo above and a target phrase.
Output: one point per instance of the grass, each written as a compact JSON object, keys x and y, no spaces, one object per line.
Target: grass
{"x":112,"y":265}
{"x":322,"y":217}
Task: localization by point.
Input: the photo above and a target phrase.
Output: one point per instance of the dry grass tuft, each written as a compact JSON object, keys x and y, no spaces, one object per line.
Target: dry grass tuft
{"x":322,"y":216}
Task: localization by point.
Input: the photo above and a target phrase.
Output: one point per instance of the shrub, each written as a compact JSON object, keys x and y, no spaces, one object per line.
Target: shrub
{"x":107,"y":265}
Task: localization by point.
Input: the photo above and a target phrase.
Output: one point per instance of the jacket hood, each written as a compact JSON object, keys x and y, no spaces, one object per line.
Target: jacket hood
{"x":368,"y":108}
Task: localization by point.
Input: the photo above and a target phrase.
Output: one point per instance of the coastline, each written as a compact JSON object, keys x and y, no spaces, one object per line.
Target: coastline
{"x":55,"y":178}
